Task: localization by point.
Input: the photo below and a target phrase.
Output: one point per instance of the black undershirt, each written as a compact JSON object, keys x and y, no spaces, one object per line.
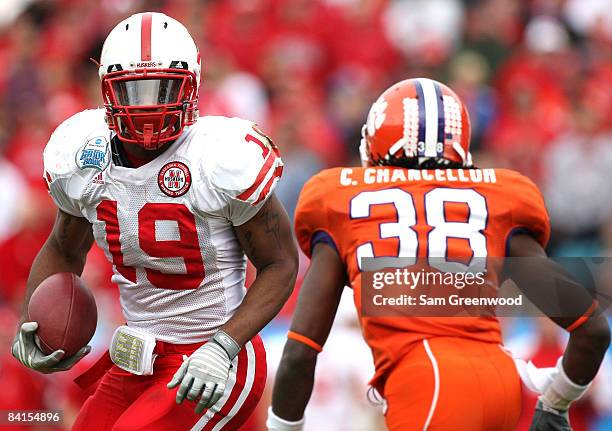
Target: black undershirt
{"x":118,"y":153}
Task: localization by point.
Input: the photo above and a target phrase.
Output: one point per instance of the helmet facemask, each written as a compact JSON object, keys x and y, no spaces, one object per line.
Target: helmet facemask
{"x":150,"y":107}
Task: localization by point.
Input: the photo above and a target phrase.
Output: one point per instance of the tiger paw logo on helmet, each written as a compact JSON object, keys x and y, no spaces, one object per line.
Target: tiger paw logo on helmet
{"x":377,"y":116}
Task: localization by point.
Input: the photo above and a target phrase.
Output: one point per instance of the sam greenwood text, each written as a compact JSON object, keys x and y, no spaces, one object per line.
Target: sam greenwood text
{"x":441,"y":301}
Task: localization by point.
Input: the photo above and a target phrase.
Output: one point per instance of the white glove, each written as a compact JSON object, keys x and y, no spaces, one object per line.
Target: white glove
{"x":536,"y":379}
{"x":204,"y":374}
{"x":26,"y":351}
{"x":275,"y":423}
{"x":562,"y":392}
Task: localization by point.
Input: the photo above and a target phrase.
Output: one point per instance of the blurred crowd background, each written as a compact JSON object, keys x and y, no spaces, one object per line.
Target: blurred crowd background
{"x":535,"y":74}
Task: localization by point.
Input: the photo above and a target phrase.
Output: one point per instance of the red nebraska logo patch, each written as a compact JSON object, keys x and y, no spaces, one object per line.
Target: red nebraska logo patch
{"x":174,"y":179}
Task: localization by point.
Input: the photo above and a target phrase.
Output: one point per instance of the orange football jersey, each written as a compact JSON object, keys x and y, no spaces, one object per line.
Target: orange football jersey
{"x":389,"y":211}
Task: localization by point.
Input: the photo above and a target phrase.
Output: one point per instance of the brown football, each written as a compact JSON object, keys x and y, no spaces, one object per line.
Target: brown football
{"x":65,"y":311}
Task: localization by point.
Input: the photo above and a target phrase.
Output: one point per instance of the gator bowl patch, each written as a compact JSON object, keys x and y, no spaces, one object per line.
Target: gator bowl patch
{"x":94,"y":154}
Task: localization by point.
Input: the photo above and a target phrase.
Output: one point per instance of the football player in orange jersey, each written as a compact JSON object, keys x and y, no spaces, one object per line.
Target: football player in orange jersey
{"x":418,"y":195}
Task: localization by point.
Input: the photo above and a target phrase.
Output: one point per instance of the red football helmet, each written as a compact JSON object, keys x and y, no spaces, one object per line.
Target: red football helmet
{"x":150,"y":72}
{"x":416,"y":121}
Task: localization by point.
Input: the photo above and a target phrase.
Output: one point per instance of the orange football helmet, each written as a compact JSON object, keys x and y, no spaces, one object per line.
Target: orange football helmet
{"x":417,"y":122}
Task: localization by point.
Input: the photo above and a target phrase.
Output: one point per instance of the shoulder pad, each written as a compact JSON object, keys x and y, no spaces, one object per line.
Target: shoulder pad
{"x":526,"y":203}
{"x":239,"y":160}
{"x":312,"y":212}
{"x":79,"y":135}
{"x":78,"y":150}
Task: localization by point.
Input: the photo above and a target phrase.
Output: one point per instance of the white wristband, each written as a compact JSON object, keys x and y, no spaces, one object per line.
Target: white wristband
{"x":275,"y":423}
{"x":562,"y":391}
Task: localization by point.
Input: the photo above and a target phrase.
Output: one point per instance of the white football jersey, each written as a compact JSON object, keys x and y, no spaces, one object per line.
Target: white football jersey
{"x":167,"y":226}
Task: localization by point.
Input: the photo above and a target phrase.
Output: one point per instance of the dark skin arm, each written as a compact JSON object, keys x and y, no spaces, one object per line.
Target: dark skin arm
{"x":266,"y":238}
{"x":314,"y":315}
{"x":319,"y":300}
{"x":65,"y":250}
{"x":587,"y":343}
{"x":268,"y":242}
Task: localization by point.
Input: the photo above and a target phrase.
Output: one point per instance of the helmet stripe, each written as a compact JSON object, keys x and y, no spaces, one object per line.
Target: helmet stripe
{"x":421,"y":102}
{"x":145,"y":37}
{"x":431,"y":117}
{"x":441,"y":119}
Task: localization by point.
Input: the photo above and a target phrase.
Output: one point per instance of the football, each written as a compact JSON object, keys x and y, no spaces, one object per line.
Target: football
{"x":65,"y":311}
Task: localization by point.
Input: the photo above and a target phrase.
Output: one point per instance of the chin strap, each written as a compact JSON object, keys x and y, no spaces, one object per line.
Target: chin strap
{"x":147,"y":134}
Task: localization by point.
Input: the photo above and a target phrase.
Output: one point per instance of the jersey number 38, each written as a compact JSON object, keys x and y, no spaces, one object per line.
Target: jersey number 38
{"x":471,"y":230}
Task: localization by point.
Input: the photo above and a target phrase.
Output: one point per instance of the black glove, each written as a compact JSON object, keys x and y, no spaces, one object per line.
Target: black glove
{"x":549,"y":419}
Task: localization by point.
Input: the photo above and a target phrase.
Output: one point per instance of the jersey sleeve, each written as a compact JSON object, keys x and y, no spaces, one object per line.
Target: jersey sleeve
{"x":245,"y":169}
{"x":62,"y":200}
{"x":529,"y":210}
{"x":65,"y":181}
{"x":313,"y":222}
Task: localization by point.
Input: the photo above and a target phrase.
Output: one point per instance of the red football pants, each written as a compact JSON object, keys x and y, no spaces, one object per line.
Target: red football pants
{"x":127,"y":402}
{"x":448,"y":383}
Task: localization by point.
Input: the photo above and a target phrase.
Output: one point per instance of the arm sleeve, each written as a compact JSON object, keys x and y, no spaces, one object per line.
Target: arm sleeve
{"x":529,"y":211}
{"x":312,"y":219}
{"x":60,"y":197}
{"x":246,"y":171}
{"x":59,"y":168}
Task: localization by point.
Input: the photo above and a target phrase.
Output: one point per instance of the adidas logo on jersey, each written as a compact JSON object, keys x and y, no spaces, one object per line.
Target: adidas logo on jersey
{"x":98,"y":179}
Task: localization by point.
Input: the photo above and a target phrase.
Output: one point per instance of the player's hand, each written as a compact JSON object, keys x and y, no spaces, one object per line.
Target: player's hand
{"x":549,"y":419}
{"x":27,"y":352}
{"x":203,"y":376}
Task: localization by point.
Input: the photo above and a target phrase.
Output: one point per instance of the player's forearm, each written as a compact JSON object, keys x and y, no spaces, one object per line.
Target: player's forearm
{"x":294,"y":381}
{"x":268,"y":243}
{"x":264,"y":299}
{"x":585,"y":350}
{"x":552,"y":289}
{"x":64,"y":251}
{"x":50,"y":260}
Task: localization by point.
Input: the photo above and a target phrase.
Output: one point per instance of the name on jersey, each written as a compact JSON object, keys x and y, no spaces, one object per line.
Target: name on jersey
{"x":394,"y":175}
{"x":94,"y":154}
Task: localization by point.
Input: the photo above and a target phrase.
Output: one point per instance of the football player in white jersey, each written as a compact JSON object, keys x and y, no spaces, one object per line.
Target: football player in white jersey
{"x":175,"y":201}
